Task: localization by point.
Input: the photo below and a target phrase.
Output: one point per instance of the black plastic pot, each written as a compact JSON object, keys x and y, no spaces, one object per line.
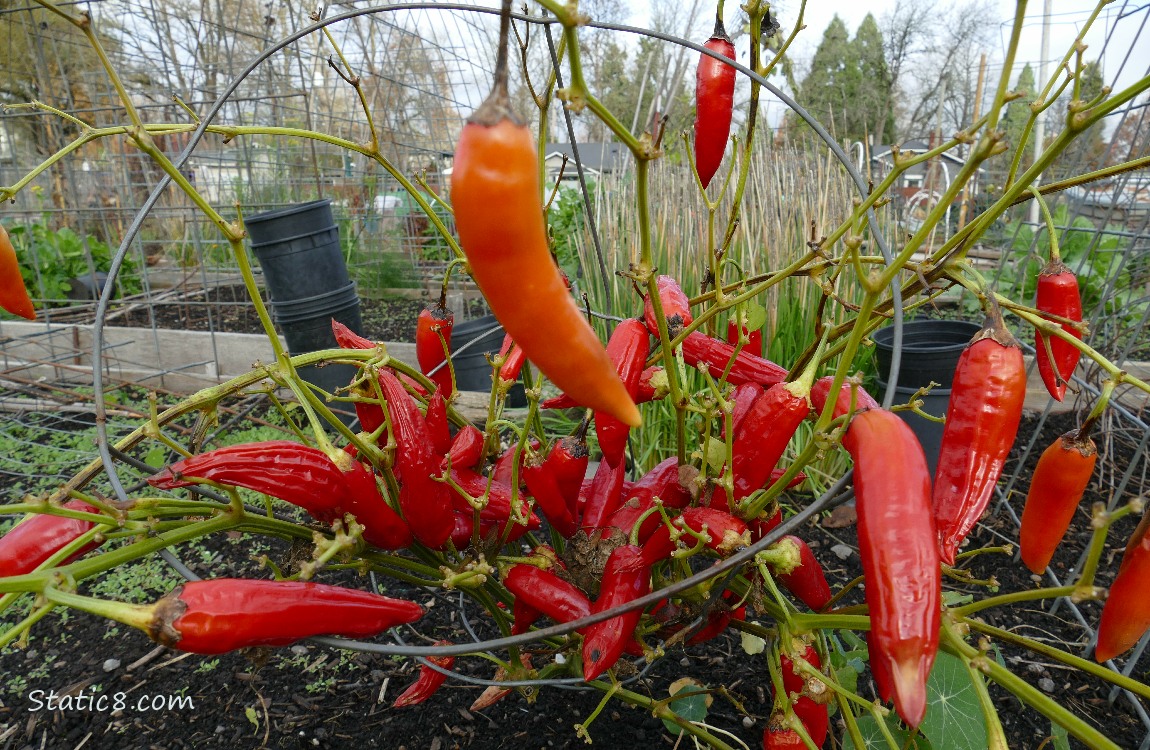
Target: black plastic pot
{"x":306,"y":278}
{"x":472,"y":371}
{"x":930,"y":352}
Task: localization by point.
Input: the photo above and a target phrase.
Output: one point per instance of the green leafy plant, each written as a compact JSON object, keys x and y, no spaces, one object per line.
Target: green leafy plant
{"x":50,"y":259}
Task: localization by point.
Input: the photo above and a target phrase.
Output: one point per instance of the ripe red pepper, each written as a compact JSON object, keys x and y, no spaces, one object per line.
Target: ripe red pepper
{"x":28,"y":544}
{"x":296,"y":473}
{"x":382,"y":525}
{"x":438,"y":428}
{"x":726,"y":534}
{"x":800,"y":573}
{"x":495,"y":193}
{"x":629,"y":514}
{"x":424,"y":502}
{"x":13,"y":294}
{"x":498,"y":508}
{"x":514,"y":358}
{"x":699,"y":348}
{"x":430,"y":350}
{"x":718,"y":619}
{"x":503,"y":471}
{"x":602,"y":496}
{"x":428,"y":681}
{"x":812,"y":713}
{"x":370,"y":414}
{"x":899,"y":551}
{"x":1126,"y":613}
{"x":626,"y":577}
{"x":779,"y":736}
{"x":1059,"y":481}
{"x":466,"y":448}
{"x":714,"y":103}
{"x":1058,"y":295}
{"x":547,"y":593}
{"x":541,"y":476}
{"x":676,"y":307}
{"x":349,"y":339}
{"x":765,"y":432}
{"x":982,"y":419}
{"x":741,"y":400}
{"x":570,"y":458}
{"x":664,"y":482}
{"x":754,"y":338}
{"x":463,"y":528}
{"x":627,"y":348}
{"x":224,"y":614}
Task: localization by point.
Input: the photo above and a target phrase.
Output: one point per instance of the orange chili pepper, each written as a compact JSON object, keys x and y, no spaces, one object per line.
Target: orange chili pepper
{"x":13,"y":294}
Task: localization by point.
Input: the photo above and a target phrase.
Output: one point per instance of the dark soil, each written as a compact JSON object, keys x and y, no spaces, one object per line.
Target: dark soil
{"x":311,"y":696}
{"x":227,"y":309}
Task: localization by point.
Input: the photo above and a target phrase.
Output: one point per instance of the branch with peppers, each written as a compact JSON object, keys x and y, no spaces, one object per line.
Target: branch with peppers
{"x":598,"y":572}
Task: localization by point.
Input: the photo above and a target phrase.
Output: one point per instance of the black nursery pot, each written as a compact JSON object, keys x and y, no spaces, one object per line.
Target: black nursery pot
{"x":306,"y":277}
{"x":472,"y":371}
{"x":930,"y":352}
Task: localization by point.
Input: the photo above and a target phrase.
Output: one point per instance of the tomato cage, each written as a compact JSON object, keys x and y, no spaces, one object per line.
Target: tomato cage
{"x":794,"y":546}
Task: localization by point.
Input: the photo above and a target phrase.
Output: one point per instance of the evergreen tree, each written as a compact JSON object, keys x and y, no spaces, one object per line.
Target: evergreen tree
{"x":824,"y":91}
{"x":1013,"y":124}
{"x":871,"y":97}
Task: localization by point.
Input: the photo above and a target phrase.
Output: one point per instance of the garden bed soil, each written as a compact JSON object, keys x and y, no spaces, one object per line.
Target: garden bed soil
{"x":310,"y":696}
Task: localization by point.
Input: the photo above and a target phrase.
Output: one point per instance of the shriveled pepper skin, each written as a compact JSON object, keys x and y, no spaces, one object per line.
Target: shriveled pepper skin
{"x":25,"y":546}
{"x":1126,"y":613}
{"x":1059,"y":481}
{"x":763,"y":435}
{"x":546,"y":592}
{"x":290,"y":471}
{"x":428,"y":681}
{"x":223,"y":614}
{"x":496,"y":198}
{"x":899,"y":551}
{"x":699,"y":348}
{"x":676,"y":307}
{"x":1058,"y":295}
{"x":714,"y":103}
{"x":626,"y":577}
{"x":982,"y":420}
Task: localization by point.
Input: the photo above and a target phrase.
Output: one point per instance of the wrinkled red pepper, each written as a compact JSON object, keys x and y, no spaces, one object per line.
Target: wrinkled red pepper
{"x":699,"y":348}
{"x":466,"y":448}
{"x":726,"y":534}
{"x":627,"y":348}
{"x":428,"y":681}
{"x":602,"y":496}
{"x":899,"y":551}
{"x":433,"y":343}
{"x":1057,"y":295}
{"x":224,"y":614}
{"x":28,"y":544}
{"x":438,"y":428}
{"x":813,"y":714}
{"x":626,"y":577}
{"x":546,"y":593}
{"x":541,"y":476}
{"x":754,"y":338}
{"x":982,"y":420}
{"x":676,"y":307}
{"x":801,"y":573}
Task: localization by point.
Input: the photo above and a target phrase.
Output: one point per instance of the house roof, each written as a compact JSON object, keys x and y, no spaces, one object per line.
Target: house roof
{"x":601,"y":157}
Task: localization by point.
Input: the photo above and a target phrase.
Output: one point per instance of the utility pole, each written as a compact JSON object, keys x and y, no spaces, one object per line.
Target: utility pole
{"x":1040,"y":124}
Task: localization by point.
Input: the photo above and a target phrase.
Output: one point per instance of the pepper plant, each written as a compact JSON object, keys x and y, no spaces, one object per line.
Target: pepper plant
{"x":588,"y":574}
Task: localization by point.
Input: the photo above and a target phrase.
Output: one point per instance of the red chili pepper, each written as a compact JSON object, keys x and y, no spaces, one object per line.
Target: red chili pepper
{"x":502,"y":472}
{"x":299,"y":474}
{"x":224,"y":614}
{"x":425,"y":503}
{"x":744,"y":396}
{"x":718,"y":620}
{"x":547,"y":593}
{"x":463,"y":528}
{"x":801,"y":573}
{"x":699,"y":348}
{"x":602,"y":496}
{"x":764,"y":434}
{"x":13,"y":294}
{"x":629,"y":514}
{"x":428,"y":681}
{"x":525,"y":616}
{"x":466,"y":448}
{"x":714,"y":103}
{"x":382,"y":525}
{"x":626,"y":577}
{"x":779,"y":736}
{"x":899,"y":551}
{"x":438,"y":428}
{"x":570,"y":458}
{"x":1126,"y":613}
{"x":754,"y":338}
{"x":726,"y":534}
{"x":543,"y":484}
{"x":1059,"y":481}
{"x":663,"y":481}
{"x":627,"y":348}
{"x":430,"y":350}
{"x":26,"y":546}
{"x":676,"y":307}
{"x":514,"y":357}
{"x":1058,"y":295}
{"x":821,"y":391}
{"x":812,"y":713}
{"x":498,"y":508}
{"x":982,"y":419}
{"x":767,"y":522}
{"x":370,"y":415}
{"x":495,"y":193}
